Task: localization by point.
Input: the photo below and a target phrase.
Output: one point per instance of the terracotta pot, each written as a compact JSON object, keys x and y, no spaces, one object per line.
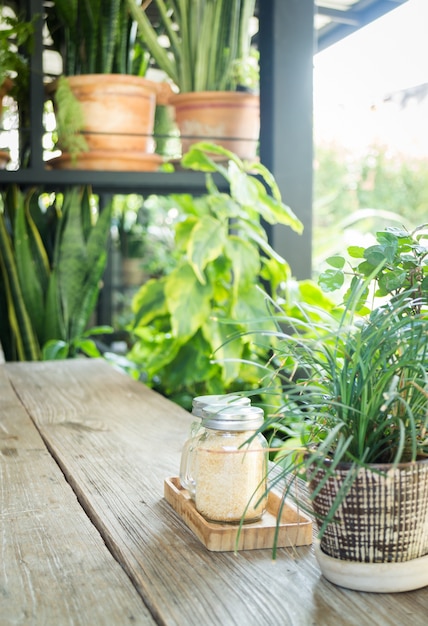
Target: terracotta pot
{"x":382,"y":518}
{"x":5,"y":87}
{"x":229,"y":118}
{"x":4,"y":158}
{"x":119,"y":113}
{"x":107,"y":160}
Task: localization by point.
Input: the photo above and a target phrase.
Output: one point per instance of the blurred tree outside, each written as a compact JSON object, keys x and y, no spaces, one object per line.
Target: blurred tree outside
{"x":357,"y":194}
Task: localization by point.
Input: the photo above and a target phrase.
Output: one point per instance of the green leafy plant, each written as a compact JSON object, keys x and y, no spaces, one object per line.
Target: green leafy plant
{"x":51,"y":263}
{"x":209,"y":41}
{"x":16,"y":43}
{"x":16,"y":46}
{"x":396,"y":263}
{"x":183,"y":320}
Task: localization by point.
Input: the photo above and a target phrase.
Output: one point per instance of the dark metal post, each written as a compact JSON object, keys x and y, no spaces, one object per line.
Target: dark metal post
{"x":286,"y":98}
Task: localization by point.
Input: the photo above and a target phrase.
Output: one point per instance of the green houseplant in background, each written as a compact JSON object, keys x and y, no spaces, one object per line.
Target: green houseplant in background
{"x":51,"y":264}
{"x":104,"y":61}
{"x":209,"y":53}
{"x":358,"y":398}
{"x":16,"y":41}
{"x":182,"y":320}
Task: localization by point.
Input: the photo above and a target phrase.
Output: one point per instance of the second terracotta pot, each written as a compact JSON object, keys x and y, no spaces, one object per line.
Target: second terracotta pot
{"x":228,"y":118}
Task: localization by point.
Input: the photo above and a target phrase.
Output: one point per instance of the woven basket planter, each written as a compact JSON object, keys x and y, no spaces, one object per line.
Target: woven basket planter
{"x":383,"y":517}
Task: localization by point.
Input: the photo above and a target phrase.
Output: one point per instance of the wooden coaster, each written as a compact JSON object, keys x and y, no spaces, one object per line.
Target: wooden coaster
{"x":295,"y":527}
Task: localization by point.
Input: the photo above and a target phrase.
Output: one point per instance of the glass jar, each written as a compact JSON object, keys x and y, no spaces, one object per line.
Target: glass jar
{"x":215,"y":401}
{"x":226,"y":467}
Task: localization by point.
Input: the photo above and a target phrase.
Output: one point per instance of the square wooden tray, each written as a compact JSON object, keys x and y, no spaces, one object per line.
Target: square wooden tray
{"x":295,"y":528}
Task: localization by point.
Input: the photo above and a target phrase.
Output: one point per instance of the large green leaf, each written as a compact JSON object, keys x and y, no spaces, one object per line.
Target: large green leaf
{"x":188,"y":301}
{"x":150,"y":302}
{"x":153,"y":350}
{"x":205,"y":244}
{"x":245,"y":260}
{"x":228,"y":353}
{"x":191,"y":365}
{"x":251,"y":307}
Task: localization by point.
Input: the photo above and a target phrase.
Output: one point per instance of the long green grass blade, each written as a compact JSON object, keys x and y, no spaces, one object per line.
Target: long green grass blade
{"x":32,"y":265}
{"x":72,"y":260}
{"x":27,"y":347}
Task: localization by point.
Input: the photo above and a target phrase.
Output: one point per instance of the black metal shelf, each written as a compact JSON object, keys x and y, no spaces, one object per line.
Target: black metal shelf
{"x":111,"y":182}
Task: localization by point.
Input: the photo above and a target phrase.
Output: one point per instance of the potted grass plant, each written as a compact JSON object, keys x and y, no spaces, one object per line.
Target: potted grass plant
{"x":355,"y":395}
{"x":207,"y":57}
{"x":104,"y":63}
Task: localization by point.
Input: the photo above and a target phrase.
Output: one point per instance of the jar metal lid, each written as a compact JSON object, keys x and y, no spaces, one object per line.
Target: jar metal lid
{"x":200,"y":402}
{"x":236,"y":418}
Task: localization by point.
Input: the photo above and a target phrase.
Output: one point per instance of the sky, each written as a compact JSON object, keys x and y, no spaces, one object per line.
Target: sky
{"x":352,"y":78}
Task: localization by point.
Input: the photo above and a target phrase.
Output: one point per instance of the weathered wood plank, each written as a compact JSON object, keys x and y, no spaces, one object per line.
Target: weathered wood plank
{"x":55,"y":569}
{"x":116,"y":441}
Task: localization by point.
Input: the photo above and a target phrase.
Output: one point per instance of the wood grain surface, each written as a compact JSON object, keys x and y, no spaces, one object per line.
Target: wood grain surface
{"x":115,"y":442}
{"x":54,"y":567}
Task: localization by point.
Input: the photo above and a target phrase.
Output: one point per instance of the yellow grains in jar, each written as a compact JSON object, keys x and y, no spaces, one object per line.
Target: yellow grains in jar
{"x":230,"y":479}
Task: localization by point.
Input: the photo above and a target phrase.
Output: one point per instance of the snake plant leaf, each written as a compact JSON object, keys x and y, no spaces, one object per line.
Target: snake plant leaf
{"x":110,"y":15}
{"x":72,"y":258}
{"x":96,"y":259}
{"x":206,"y":37}
{"x":89,"y":296}
{"x":24,"y":337}
{"x":86,"y":212}
{"x":54,"y":327}
{"x":163,"y":60}
{"x":32,"y":265}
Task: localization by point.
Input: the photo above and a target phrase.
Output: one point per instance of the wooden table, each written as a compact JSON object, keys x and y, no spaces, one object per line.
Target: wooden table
{"x":88,"y":539}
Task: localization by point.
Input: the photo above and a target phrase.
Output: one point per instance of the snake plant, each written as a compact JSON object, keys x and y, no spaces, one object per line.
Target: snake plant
{"x":51,"y":264}
{"x":96,"y":37}
{"x":207,"y":40}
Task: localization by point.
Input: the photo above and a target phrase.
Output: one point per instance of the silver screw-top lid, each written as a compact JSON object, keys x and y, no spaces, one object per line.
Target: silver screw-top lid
{"x":200,"y":402}
{"x":236,"y":418}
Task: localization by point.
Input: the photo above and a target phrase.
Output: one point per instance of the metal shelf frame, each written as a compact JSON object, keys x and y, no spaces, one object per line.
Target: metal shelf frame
{"x":286,"y":42}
